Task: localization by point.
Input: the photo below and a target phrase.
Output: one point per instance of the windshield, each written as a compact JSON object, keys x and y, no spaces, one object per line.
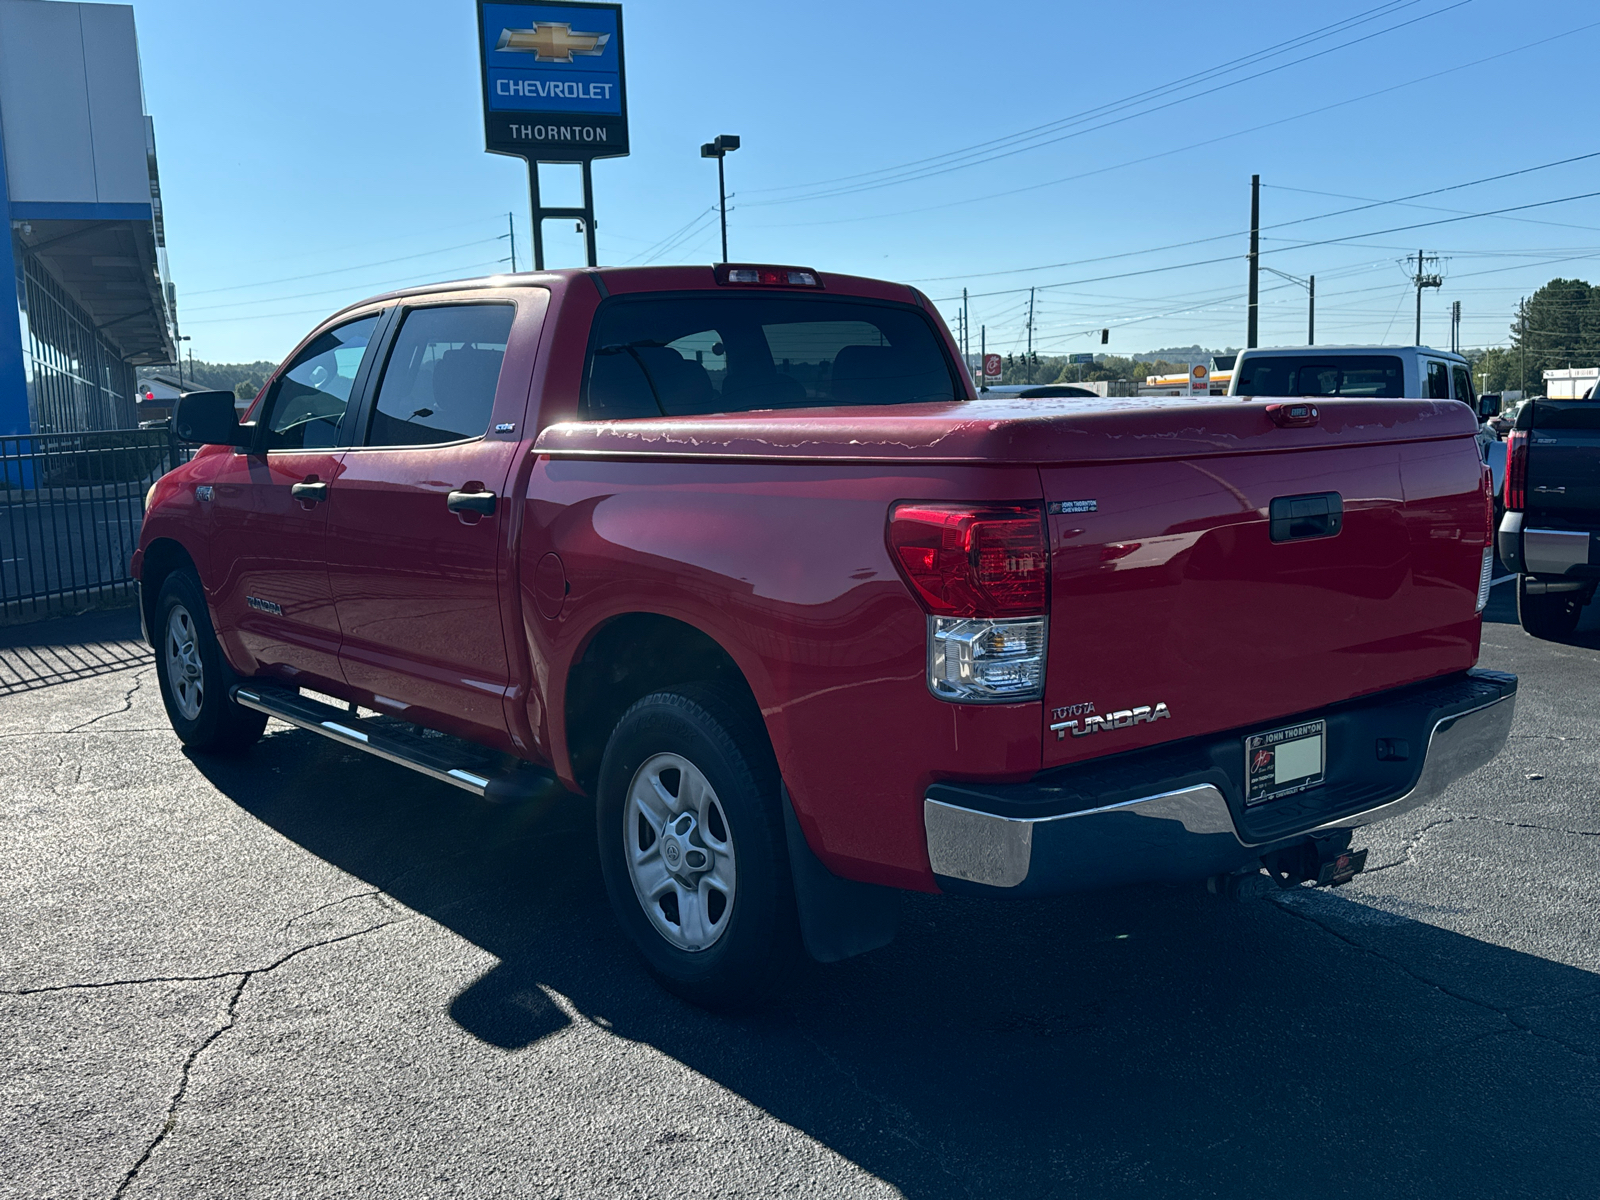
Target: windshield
{"x":738,"y":352}
{"x":1369,"y":375}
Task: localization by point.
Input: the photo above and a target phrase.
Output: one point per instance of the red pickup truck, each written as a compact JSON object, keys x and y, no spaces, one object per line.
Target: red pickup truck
{"x":738,"y":553}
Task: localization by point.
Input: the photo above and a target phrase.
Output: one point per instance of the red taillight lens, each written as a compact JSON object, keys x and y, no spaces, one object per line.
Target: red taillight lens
{"x":965,"y":560}
{"x":1517,"y":470}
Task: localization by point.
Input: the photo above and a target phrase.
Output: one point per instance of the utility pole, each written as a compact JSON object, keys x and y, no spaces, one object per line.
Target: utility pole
{"x":511,"y":232}
{"x":1522,"y":352}
{"x":1311,"y":314}
{"x":966,"y":338}
{"x":1455,"y":326}
{"x":1255,"y":262}
{"x":983,"y":358}
{"x":1422,"y":280}
{"x":1030,"y":335}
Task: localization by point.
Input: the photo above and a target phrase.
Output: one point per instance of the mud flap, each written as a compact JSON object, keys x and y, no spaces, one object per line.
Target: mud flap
{"x":839,"y":918}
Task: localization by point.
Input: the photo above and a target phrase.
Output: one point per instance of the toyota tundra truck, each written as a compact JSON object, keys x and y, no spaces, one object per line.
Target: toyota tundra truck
{"x":738,"y":554}
{"x":1550,"y":533}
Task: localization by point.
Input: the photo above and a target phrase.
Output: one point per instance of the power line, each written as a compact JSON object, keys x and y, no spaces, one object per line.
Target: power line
{"x":1200,"y":145}
{"x":915,"y":175}
{"x":1207,"y":262}
{"x":341,"y":270}
{"x":459,"y":271}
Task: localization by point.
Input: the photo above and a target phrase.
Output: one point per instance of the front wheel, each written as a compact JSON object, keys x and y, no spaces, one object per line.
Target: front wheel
{"x":195,"y":677}
{"x":1549,"y":615}
{"x":692,"y":846}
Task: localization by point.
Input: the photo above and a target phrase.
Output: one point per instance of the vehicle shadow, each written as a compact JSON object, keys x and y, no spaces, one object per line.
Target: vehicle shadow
{"x":1156,"y":1042}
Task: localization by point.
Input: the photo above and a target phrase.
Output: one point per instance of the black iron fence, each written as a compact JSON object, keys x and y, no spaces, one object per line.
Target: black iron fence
{"x":70,"y":509}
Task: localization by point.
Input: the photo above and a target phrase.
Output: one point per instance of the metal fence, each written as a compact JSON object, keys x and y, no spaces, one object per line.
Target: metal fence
{"x":70,"y":509}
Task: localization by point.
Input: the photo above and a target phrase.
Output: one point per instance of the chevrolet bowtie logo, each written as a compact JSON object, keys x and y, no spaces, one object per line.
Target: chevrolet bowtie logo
{"x":551,"y":41}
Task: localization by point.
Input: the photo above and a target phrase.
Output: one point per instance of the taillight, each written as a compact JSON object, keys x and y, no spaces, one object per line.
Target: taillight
{"x":966,"y":560}
{"x":981,"y":572}
{"x":1488,"y":506}
{"x":1517,"y":470}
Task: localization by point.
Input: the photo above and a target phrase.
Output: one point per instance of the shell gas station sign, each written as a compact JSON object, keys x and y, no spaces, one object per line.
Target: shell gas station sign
{"x":1199,"y":380}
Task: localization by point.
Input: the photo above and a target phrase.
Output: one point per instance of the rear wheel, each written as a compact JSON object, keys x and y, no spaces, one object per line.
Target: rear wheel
{"x":692,"y":846}
{"x":194,"y":676}
{"x":1549,"y":615}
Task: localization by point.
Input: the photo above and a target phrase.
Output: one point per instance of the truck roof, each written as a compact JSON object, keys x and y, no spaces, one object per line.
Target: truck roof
{"x":1334,"y":351}
{"x":621,"y":280}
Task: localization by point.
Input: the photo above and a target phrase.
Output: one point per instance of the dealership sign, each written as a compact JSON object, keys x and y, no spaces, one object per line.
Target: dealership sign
{"x":553,"y":80}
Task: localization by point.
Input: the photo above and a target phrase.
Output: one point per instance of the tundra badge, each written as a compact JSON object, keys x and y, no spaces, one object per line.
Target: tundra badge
{"x":1123,"y":719}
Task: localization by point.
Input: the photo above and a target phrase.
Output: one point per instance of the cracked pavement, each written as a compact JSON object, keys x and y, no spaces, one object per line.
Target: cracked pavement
{"x":311,"y":973}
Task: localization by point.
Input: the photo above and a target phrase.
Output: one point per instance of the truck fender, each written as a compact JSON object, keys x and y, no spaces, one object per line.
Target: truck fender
{"x":839,"y":918}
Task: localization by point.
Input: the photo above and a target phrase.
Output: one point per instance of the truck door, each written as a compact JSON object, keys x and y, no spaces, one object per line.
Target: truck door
{"x":269,"y":513}
{"x":418,"y":538}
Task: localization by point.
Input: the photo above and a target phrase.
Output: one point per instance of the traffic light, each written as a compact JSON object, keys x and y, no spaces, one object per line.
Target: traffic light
{"x":1035,"y":358}
{"x":1009,"y":363}
{"x":1105,"y":336}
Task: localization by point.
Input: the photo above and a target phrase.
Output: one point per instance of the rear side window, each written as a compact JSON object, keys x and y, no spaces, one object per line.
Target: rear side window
{"x":309,"y":397}
{"x":1438,"y":387}
{"x":710,"y":353}
{"x":1462,"y":378}
{"x":441,"y":376}
{"x":1371,"y":376}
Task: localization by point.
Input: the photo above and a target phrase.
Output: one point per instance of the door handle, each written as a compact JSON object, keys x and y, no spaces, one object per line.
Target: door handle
{"x":478,"y":502}
{"x":310,"y":492}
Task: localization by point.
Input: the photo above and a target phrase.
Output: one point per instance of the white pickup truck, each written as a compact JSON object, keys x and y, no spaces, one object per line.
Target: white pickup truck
{"x":1372,"y":372}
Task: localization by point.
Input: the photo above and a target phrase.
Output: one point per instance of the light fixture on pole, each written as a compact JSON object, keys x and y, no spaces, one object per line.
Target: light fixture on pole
{"x":1310,"y":284}
{"x":718,"y":150}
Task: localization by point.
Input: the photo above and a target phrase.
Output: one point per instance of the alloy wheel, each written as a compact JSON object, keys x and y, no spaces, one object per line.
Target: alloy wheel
{"x":185,"y":673}
{"x":679,"y":852}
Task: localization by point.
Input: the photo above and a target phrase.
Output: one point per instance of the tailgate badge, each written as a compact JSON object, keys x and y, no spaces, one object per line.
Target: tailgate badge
{"x":1074,"y":506}
{"x":1125,"y":718}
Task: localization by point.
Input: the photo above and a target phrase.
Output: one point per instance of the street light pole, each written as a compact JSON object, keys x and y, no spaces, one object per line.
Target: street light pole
{"x":718,"y":149}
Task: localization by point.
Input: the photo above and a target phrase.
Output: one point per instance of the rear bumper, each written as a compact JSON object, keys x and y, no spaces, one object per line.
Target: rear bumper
{"x":1528,"y":548}
{"x":1174,"y":813}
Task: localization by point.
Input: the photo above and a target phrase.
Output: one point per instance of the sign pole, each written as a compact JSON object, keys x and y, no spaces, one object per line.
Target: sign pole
{"x":538,"y":215}
{"x":553,"y":92}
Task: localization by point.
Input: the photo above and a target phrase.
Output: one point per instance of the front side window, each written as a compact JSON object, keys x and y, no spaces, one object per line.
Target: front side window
{"x":1367,"y":376}
{"x":441,"y":376}
{"x":309,"y":398}
{"x":712,"y":353}
{"x":1462,"y":378}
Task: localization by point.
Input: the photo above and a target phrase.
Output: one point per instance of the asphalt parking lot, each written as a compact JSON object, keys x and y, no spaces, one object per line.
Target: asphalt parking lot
{"x":311,"y":973}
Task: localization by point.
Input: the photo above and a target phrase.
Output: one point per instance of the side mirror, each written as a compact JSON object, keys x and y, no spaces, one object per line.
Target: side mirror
{"x":208,"y":418}
{"x":1488,"y":406}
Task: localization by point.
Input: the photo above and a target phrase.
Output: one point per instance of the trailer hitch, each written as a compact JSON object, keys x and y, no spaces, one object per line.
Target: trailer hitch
{"x":1319,"y":861}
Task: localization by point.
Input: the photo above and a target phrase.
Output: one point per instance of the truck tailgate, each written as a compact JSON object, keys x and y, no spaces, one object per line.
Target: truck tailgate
{"x":1179,"y":607}
{"x":1564,"y":463}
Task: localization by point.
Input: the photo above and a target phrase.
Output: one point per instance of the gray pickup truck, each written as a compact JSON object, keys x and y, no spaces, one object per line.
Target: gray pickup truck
{"x":1550,"y":534}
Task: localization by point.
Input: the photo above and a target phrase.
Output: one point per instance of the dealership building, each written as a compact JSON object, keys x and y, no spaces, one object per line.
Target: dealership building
{"x":86,"y":244}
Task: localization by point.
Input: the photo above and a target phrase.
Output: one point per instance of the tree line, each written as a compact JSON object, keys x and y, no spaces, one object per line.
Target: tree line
{"x":1557,"y":326}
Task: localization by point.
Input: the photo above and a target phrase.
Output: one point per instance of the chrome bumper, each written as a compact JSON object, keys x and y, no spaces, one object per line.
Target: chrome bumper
{"x":1183,"y":834}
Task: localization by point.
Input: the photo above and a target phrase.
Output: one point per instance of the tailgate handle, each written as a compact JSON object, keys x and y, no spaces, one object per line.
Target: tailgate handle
{"x":1295,"y":518}
{"x":1293,"y":416}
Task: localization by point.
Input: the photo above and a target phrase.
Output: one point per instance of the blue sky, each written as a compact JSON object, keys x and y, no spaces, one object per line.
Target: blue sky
{"x":315,"y":153}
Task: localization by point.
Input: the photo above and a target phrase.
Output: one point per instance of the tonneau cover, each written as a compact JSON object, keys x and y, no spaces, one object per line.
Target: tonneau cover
{"x":1012,"y":430}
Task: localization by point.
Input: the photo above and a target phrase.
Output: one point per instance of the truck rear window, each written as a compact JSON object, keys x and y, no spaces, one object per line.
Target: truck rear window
{"x":1378,"y":375}
{"x":655,"y":356}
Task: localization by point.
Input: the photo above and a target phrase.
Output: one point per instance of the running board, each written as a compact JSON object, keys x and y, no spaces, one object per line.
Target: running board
{"x":459,"y":763}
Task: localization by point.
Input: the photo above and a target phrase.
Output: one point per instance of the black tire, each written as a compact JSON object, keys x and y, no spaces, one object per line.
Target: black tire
{"x":1548,"y":615}
{"x":194,"y":676}
{"x":759,"y":935}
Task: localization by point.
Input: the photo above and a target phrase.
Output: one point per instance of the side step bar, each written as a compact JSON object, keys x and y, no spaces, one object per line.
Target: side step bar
{"x":456,"y":762}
